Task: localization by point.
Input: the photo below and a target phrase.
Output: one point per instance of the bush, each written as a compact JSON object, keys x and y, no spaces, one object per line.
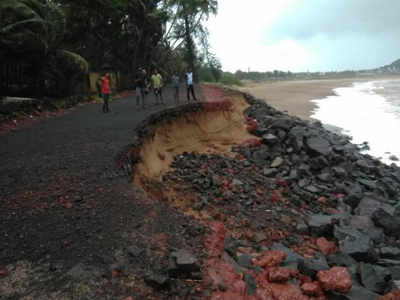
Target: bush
{"x":60,"y":104}
{"x":205,"y":75}
{"x":97,"y":99}
{"x":228,"y":79}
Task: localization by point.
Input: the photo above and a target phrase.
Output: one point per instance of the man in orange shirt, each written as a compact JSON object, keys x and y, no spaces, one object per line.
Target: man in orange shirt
{"x":105,"y":91}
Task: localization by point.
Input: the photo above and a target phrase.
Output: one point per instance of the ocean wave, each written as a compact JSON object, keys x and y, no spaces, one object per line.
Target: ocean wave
{"x":368,"y":112}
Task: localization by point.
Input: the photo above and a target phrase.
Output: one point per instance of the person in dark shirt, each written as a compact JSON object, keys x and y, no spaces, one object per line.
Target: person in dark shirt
{"x":175,"y":84}
{"x":140,"y":86}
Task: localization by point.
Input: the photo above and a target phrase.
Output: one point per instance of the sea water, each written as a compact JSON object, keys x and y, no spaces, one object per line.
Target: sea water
{"x":368,"y":112}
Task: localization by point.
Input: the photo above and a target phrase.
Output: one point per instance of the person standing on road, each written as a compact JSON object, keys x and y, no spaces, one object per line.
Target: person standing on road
{"x":175,"y":85}
{"x":105,"y":91}
{"x":140,"y":87}
{"x":160,"y":90}
{"x":156,"y":79}
{"x":190,"y":88}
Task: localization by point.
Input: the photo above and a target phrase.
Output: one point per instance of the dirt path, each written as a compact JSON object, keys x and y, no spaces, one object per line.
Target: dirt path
{"x":64,"y":201}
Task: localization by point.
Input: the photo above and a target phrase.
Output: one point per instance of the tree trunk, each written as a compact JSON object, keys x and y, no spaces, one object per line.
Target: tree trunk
{"x":190,"y":48}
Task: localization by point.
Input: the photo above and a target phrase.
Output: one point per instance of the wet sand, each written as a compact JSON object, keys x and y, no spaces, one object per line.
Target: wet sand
{"x":294,"y":96}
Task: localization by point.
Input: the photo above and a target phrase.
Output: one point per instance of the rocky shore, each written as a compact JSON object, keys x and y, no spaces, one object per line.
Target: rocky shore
{"x":296,"y":213}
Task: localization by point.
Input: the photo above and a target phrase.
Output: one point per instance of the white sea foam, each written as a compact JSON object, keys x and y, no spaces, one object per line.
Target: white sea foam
{"x":366,"y":116}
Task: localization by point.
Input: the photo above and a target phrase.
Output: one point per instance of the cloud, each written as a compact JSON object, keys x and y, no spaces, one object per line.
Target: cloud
{"x":351,"y":52}
{"x":301,"y":35}
{"x":310,"y":18}
{"x":237,"y":33}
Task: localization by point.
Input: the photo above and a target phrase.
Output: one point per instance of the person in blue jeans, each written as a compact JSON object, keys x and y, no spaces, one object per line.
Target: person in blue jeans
{"x":175,"y":85}
{"x":106,"y":91}
{"x":190,"y":88}
{"x":140,"y":83}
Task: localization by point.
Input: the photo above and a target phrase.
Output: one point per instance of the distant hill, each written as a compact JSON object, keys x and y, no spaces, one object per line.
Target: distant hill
{"x":394,"y":67}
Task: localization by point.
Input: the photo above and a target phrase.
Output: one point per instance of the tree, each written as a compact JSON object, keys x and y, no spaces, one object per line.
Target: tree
{"x":57,"y":36}
{"x":32,"y":31}
{"x":186,"y":17}
{"x":117,"y":34}
{"x":35,"y":26}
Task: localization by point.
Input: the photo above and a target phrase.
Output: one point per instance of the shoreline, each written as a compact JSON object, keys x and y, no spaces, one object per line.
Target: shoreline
{"x":294,"y":96}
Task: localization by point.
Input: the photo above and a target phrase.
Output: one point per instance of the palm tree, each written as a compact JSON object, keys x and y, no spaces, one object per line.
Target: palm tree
{"x":195,"y":11}
{"x":32,"y":31}
{"x":31,"y":25}
{"x":186,"y":21}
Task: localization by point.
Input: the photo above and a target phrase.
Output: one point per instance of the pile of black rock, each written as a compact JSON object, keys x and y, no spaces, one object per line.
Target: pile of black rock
{"x":309,"y":181}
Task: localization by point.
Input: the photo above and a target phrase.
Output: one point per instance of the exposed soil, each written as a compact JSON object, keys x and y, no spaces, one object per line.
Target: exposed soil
{"x":201,"y":132}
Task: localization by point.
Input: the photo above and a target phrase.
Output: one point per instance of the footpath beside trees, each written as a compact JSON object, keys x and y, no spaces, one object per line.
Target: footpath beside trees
{"x":48,"y":47}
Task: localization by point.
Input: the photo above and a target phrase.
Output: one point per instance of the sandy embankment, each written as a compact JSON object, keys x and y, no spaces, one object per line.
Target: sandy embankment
{"x":294,"y":97}
{"x":201,"y":132}
{"x":205,"y":132}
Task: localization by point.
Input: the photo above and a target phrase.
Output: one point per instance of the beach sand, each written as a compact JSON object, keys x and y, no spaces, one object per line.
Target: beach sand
{"x":294,"y":96}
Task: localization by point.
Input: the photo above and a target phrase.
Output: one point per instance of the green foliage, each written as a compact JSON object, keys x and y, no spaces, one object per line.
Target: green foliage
{"x":214,"y":66}
{"x":97,"y":99}
{"x":186,"y":24}
{"x":60,"y":104}
{"x":261,"y":76}
{"x":210,"y":71}
{"x":31,"y":26}
{"x":65,"y":71}
{"x":61,"y":39}
{"x":229,"y":79}
{"x":119,"y":35}
{"x":205,"y":75}
{"x":31,"y":33}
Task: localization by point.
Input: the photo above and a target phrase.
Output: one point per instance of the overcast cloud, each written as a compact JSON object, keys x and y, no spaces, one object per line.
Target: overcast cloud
{"x":301,"y":35}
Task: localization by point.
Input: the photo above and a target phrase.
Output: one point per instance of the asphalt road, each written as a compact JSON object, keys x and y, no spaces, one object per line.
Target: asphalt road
{"x":62,"y":195}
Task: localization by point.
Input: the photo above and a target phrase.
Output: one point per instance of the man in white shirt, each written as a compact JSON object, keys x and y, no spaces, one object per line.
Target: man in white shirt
{"x":190,"y":88}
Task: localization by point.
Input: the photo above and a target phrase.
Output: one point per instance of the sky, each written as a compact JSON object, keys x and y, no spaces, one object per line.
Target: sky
{"x":305,"y":35}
